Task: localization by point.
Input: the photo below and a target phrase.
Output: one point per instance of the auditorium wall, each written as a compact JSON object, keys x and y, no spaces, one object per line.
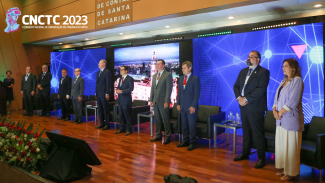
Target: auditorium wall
{"x":16,"y":56}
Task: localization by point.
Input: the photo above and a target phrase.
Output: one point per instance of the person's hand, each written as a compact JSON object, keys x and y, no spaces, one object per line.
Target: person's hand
{"x":32,"y":93}
{"x":67,"y":96}
{"x":178,"y":108}
{"x":41,"y":88}
{"x":242,"y":101}
{"x":38,"y":86}
{"x":118,"y":91}
{"x":79,"y":99}
{"x":165,"y":105}
{"x":22,"y":93}
{"x":58,"y":96}
{"x":151,"y":104}
{"x":192,"y":110}
{"x":107,"y":97}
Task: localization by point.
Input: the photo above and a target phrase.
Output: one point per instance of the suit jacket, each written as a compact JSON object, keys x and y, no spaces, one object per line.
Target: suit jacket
{"x":30,"y":84}
{"x":77,"y":89}
{"x":255,"y":89}
{"x":189,"y":97}
{"x":65,"y":87}
{"x":161,"y":92}
{"x":103,"y":83}
{"x":125,"y":98}
{"x":45,"y":82}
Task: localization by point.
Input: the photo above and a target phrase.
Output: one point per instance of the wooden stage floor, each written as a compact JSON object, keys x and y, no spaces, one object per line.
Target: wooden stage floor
{"x":128,"y":159}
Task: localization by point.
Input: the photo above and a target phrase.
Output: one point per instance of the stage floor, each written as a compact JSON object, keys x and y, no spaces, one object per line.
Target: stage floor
{"x":133,"y":158}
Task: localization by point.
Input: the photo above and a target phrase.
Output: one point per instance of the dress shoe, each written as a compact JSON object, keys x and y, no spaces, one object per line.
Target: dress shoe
{"x":48,"y":114}
{"x":75,"y":120}
{"x":79,"y":121}
{"x":166,"y":141}
{"x":106,"y":127}
{"x":183,"y":144}
{"x":60,"y":118}
{"x":100,"y":126}
{"x":191,"y":147}
{"x":260,"y":164}
{"x":128,"y":133}
{"x":26,"y":114}
{"x":156,"y":139}
{"x":241,"y":157}
{"x":120,"y":131}
{"x":66,"y":119}
{"x":288,"y":177}
{"x":31,"y":114}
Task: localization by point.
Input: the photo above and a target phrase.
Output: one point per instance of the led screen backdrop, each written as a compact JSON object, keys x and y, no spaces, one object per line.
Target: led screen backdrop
{"x":86,"y":60}
{"x":142,"y":62}
{"x":219,"y":59}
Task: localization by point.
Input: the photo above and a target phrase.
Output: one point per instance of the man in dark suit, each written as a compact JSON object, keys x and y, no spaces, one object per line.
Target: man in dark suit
{"x":187,"y":103}
{"x":64,"y":94}
{"x":103,"y":90}
{"x":77,"y":92}
{"x":161,"y":89}
{"x":44,"y":90}
{"x":28,"y":88}
{"x":124,"y":100}
{"x":251,"y":91}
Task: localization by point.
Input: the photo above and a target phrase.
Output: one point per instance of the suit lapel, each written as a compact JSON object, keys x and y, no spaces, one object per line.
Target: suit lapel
{"x":126,"y":77}
{"x":189,"y":79}
{"x":254,"y":73}
{"x":161,"y":77}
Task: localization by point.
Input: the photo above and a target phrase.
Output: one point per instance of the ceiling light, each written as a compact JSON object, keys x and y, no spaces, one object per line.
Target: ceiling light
{"x":60,"y":43}
{"x":121,"y":33}
{"x":231,"y":17}
{"x":86,"y":39}
{"x":167,"y":26}
{"x":318,"y":5}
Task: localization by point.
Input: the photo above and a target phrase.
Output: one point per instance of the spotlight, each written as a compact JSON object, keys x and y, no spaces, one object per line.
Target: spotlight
{"x":167,"y":26}
{"x":121,"y":33}
{"x":231,"y":17}
{"x":86,"y":39}
{"x":318,"y":5}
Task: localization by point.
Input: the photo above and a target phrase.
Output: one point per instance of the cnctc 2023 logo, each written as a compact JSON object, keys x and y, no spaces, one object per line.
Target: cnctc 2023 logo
{"x":42,"y":21}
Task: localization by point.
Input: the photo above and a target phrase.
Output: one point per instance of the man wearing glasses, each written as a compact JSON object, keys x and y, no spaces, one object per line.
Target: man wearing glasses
{"x":44,"y":90}
{"x":251,"y":90}
{"x":77,"y":92}
{"x":64,"y":94}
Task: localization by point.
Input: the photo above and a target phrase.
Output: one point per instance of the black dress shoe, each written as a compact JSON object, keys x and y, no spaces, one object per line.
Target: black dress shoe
{"x":48,"y":114}
{"x":79,"y":121}
{"x":183,"y":144}
{"x":60,"y":118}
{"x":260,"y":164}
{"x":100,"y":126}
{"x":106,"y":127}
{"x":66,"y":119}
{"x":241,"y":157}
{"x":191,"y":147}
{"x":156,"y":139}
{"x":120,"y":131}
{"x":75,"y":120}
{"x":26,"y":114}
{"x":166,"y":141}
{"x":31,"y":114}
{"x":128,"y":133}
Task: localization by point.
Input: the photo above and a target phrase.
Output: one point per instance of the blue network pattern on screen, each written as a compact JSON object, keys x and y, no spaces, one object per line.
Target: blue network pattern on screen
{"x":86,"y":60}
{"x":219,"y":59}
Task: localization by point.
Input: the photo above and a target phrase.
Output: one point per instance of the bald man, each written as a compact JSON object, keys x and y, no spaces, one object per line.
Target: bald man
{"x":28,"y":88}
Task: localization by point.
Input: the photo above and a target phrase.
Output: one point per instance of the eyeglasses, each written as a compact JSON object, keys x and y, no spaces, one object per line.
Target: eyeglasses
{"x":122,"y":70}
{"x":251,"y":56}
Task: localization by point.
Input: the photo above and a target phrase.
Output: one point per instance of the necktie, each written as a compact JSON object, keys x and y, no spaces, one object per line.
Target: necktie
{"x":26,"y":77}
{"x":122,"y":79}
{"x":62,"y":80}
{"x":75,"y":81}
{"x":185,"y":80}
{"x":43,"y":75}
{"x":249,"y":72}
{"x":158,"y":76}
{"x":100,"y":73}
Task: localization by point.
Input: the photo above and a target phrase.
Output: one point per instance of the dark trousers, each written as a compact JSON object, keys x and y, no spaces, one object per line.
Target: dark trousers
{"x":253,"y":131}
{"x":162,"y":120}
{"x":29,"y":102}
{"x":77,"y":107}
{"x":103,"y":110}
{"x":189,"y":126}
{"x":125,"y":117}
{"x":65,"y":106}
{"x":44,"y":101}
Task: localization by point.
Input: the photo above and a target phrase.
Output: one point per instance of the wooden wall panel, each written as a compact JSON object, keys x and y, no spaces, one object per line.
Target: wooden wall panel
{"x":46,"y":5}
{"x":13,"y":54}
{"x":28,"y":2}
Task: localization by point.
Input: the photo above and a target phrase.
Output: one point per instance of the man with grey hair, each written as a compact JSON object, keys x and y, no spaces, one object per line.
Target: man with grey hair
{"x":77,"y":92}
{"x":28,"y":88}
{"x":103,"y":90}
{"x":44,"y":90}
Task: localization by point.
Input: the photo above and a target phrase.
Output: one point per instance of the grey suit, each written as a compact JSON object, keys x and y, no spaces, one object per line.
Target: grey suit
{"x":77,"y":90}
{"x":160,"y":93}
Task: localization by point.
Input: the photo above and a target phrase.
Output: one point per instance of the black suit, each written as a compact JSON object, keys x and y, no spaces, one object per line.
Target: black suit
{"x":44,"y":95}
{"x":103,"y":87}
{"x":27,"y":87}
{"x":124,"y":101}
{"x":252,"y":114}
{"x":64,"y":90}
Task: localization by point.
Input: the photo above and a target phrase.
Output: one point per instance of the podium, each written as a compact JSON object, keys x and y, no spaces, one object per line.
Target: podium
{"x":3,"y":98}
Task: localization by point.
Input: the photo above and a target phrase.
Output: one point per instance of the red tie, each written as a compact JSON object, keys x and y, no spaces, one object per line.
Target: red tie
{"x":122,"y":79}
{"x":158,"y":76}
{"x":185,"y":80}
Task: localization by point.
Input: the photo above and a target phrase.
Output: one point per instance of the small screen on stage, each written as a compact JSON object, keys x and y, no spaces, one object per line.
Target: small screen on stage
{"x":219,"y":59}
{"x":86,"y":60}
{"x":141,"y":62}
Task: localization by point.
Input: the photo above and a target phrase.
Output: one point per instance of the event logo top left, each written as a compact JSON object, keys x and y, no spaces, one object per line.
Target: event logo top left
{"x":11,"y":19}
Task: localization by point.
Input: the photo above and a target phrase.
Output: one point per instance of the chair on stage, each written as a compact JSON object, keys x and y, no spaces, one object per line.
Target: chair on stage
{"x":313,"y":145}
